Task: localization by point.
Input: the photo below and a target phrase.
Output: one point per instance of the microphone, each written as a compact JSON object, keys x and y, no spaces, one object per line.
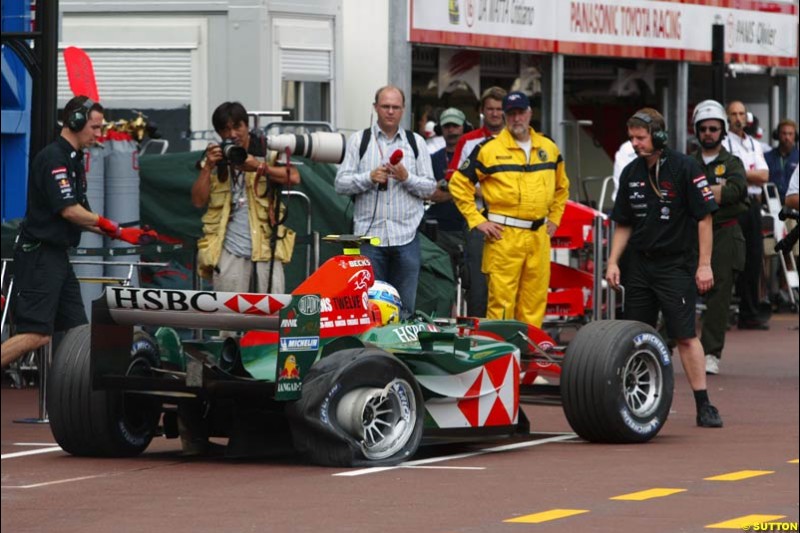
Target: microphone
{"x":395,"y":158}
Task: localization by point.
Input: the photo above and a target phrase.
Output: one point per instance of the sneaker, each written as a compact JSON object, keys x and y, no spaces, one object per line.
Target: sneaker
{"x":712,"y":364}
{"x":708,"y":417}
{"x":753,"y":324}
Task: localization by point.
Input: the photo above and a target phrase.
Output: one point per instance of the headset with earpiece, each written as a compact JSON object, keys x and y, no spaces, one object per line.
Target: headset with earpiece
{"x":659,"y":135}
{"x":776,"y":132}
{"x":78,"y":118}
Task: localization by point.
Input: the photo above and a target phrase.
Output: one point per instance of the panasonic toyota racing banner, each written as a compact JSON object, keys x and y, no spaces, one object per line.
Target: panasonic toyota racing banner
{"x":756,"y":32}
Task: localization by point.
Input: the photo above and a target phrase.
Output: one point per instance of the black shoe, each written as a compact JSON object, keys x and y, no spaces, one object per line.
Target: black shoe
{"x":708,"y":417}
{"x":753,"y":324}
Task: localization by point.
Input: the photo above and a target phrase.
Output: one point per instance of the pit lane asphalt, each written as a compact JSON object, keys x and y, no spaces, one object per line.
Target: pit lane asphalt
{"x":463,"y":488}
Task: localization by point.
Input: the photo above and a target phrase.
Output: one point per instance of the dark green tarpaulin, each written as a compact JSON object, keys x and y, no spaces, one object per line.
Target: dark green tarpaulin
{"x":166,"y":182}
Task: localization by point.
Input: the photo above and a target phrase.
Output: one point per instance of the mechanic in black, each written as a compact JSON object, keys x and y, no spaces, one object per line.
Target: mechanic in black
{"x":664,"y":217}
{"x":46,"y":295}
{"x":725,"y":175}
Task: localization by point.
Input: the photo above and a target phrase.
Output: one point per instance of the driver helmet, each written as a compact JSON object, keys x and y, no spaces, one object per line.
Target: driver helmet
{"x":387,"y":299}
{"x":710,"y":109}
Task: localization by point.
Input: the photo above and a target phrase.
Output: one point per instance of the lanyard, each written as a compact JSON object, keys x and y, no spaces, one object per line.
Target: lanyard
{"x":650,"y":179}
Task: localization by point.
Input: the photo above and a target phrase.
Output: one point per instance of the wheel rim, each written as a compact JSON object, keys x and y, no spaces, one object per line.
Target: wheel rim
{"x":643,"y":383}
{"x":139,"y":413}
{"x":383,"y":420}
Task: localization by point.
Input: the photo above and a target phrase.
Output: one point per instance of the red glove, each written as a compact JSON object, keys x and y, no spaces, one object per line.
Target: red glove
{"x":137,"y":236}
{"x":109,"y":227}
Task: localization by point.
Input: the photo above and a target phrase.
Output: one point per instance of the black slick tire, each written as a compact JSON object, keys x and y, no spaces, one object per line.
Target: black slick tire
{"x":617,"y":382}
{"x":98,"y":423}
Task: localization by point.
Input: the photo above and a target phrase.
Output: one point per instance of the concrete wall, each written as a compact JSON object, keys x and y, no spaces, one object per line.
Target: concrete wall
{"x":365,"y":58}
{"x":238,"y":57}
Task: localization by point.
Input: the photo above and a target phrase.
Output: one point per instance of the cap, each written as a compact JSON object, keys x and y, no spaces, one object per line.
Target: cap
{"x":451,"y":115}
{"x":516,"y":100}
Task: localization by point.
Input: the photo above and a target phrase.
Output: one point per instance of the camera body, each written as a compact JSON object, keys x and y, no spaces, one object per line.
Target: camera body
{"x":788,"y":242}
{"x":232,"y":153}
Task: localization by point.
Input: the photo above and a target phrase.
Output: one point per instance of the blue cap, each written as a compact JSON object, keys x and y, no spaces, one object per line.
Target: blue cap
{"x":515,"y":100}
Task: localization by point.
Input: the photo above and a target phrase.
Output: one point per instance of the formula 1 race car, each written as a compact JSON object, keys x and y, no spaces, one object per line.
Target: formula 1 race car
{"x":321,"y":372}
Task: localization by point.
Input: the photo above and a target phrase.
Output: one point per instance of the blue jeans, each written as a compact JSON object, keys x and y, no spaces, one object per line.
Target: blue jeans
{"x":399,"y":266}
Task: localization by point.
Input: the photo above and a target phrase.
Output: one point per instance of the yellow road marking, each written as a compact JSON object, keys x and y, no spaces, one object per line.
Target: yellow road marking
{"x":741,"y":474}
{"x":795,"y":461}
{"x":745,"y":521}
{"x":546,"y":516}
{"x":648,"y":494}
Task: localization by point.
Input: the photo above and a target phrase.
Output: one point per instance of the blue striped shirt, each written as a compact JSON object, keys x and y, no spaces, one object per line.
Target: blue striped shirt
{"x":392,"y":215}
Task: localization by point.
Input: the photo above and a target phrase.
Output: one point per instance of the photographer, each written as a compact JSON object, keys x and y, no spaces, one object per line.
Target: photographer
{"x":789,"y":213}
{"x":243,"y":223}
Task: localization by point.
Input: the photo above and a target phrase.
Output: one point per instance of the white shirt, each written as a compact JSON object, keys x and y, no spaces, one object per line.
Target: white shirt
{"x":792,"y":188}
{"x":749,"y":151}
{"x":435,"y":143}
{"x":623,"y":157}
{"x":392,"y":215}
{"x":526,"y":147}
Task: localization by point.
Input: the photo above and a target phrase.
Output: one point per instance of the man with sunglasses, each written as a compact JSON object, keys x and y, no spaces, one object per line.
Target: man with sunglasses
{"x":725,"y":176}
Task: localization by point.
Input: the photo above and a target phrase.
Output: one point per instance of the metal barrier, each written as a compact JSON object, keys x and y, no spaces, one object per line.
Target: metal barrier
{"x":786,"y":262}
{"x":298,"y":127}
{"x":311,"y":239}
{"x":256,"y":115}
{"x":576,"y":125}
{"x":154,"y":147}
{"x":607,"y":183}
{"x":44,"y":356}
{"x":601,"y":290}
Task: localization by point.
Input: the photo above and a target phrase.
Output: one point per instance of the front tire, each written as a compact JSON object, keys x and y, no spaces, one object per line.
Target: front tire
{"x":99,"y":423}
{"x":617,"y":382}
{"x":360,"y":407}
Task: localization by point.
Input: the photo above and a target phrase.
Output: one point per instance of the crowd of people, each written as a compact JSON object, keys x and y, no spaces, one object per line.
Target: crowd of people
{"x":687,"y":225}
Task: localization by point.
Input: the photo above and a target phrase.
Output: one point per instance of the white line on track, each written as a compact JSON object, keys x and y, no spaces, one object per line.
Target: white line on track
{"x":29,"y":452}
{"x":57,"y":482}
{"x":48,"y":444}
{"x":495,"y":449}
{"x":447,"y":467}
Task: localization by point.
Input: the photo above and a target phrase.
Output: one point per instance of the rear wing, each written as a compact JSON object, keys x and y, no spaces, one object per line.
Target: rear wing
{"x":295,"y":317}
{"x":128,"y":306}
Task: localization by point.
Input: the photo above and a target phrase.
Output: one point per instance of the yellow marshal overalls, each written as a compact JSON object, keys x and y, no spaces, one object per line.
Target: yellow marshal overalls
{"x":517,"y":266}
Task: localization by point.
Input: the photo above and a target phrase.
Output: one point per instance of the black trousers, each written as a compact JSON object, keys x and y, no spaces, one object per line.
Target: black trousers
{"x":749,"y":281}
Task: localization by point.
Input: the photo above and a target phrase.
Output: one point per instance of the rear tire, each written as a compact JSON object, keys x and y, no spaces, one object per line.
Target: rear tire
{"x":360,"y":407}
{"x":617,"y":382}
{"x":99,"y":423}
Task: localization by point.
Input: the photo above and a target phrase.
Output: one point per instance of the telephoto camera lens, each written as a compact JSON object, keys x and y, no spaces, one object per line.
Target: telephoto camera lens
{"x":319,"y":146}
{"x":232,"y":153}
